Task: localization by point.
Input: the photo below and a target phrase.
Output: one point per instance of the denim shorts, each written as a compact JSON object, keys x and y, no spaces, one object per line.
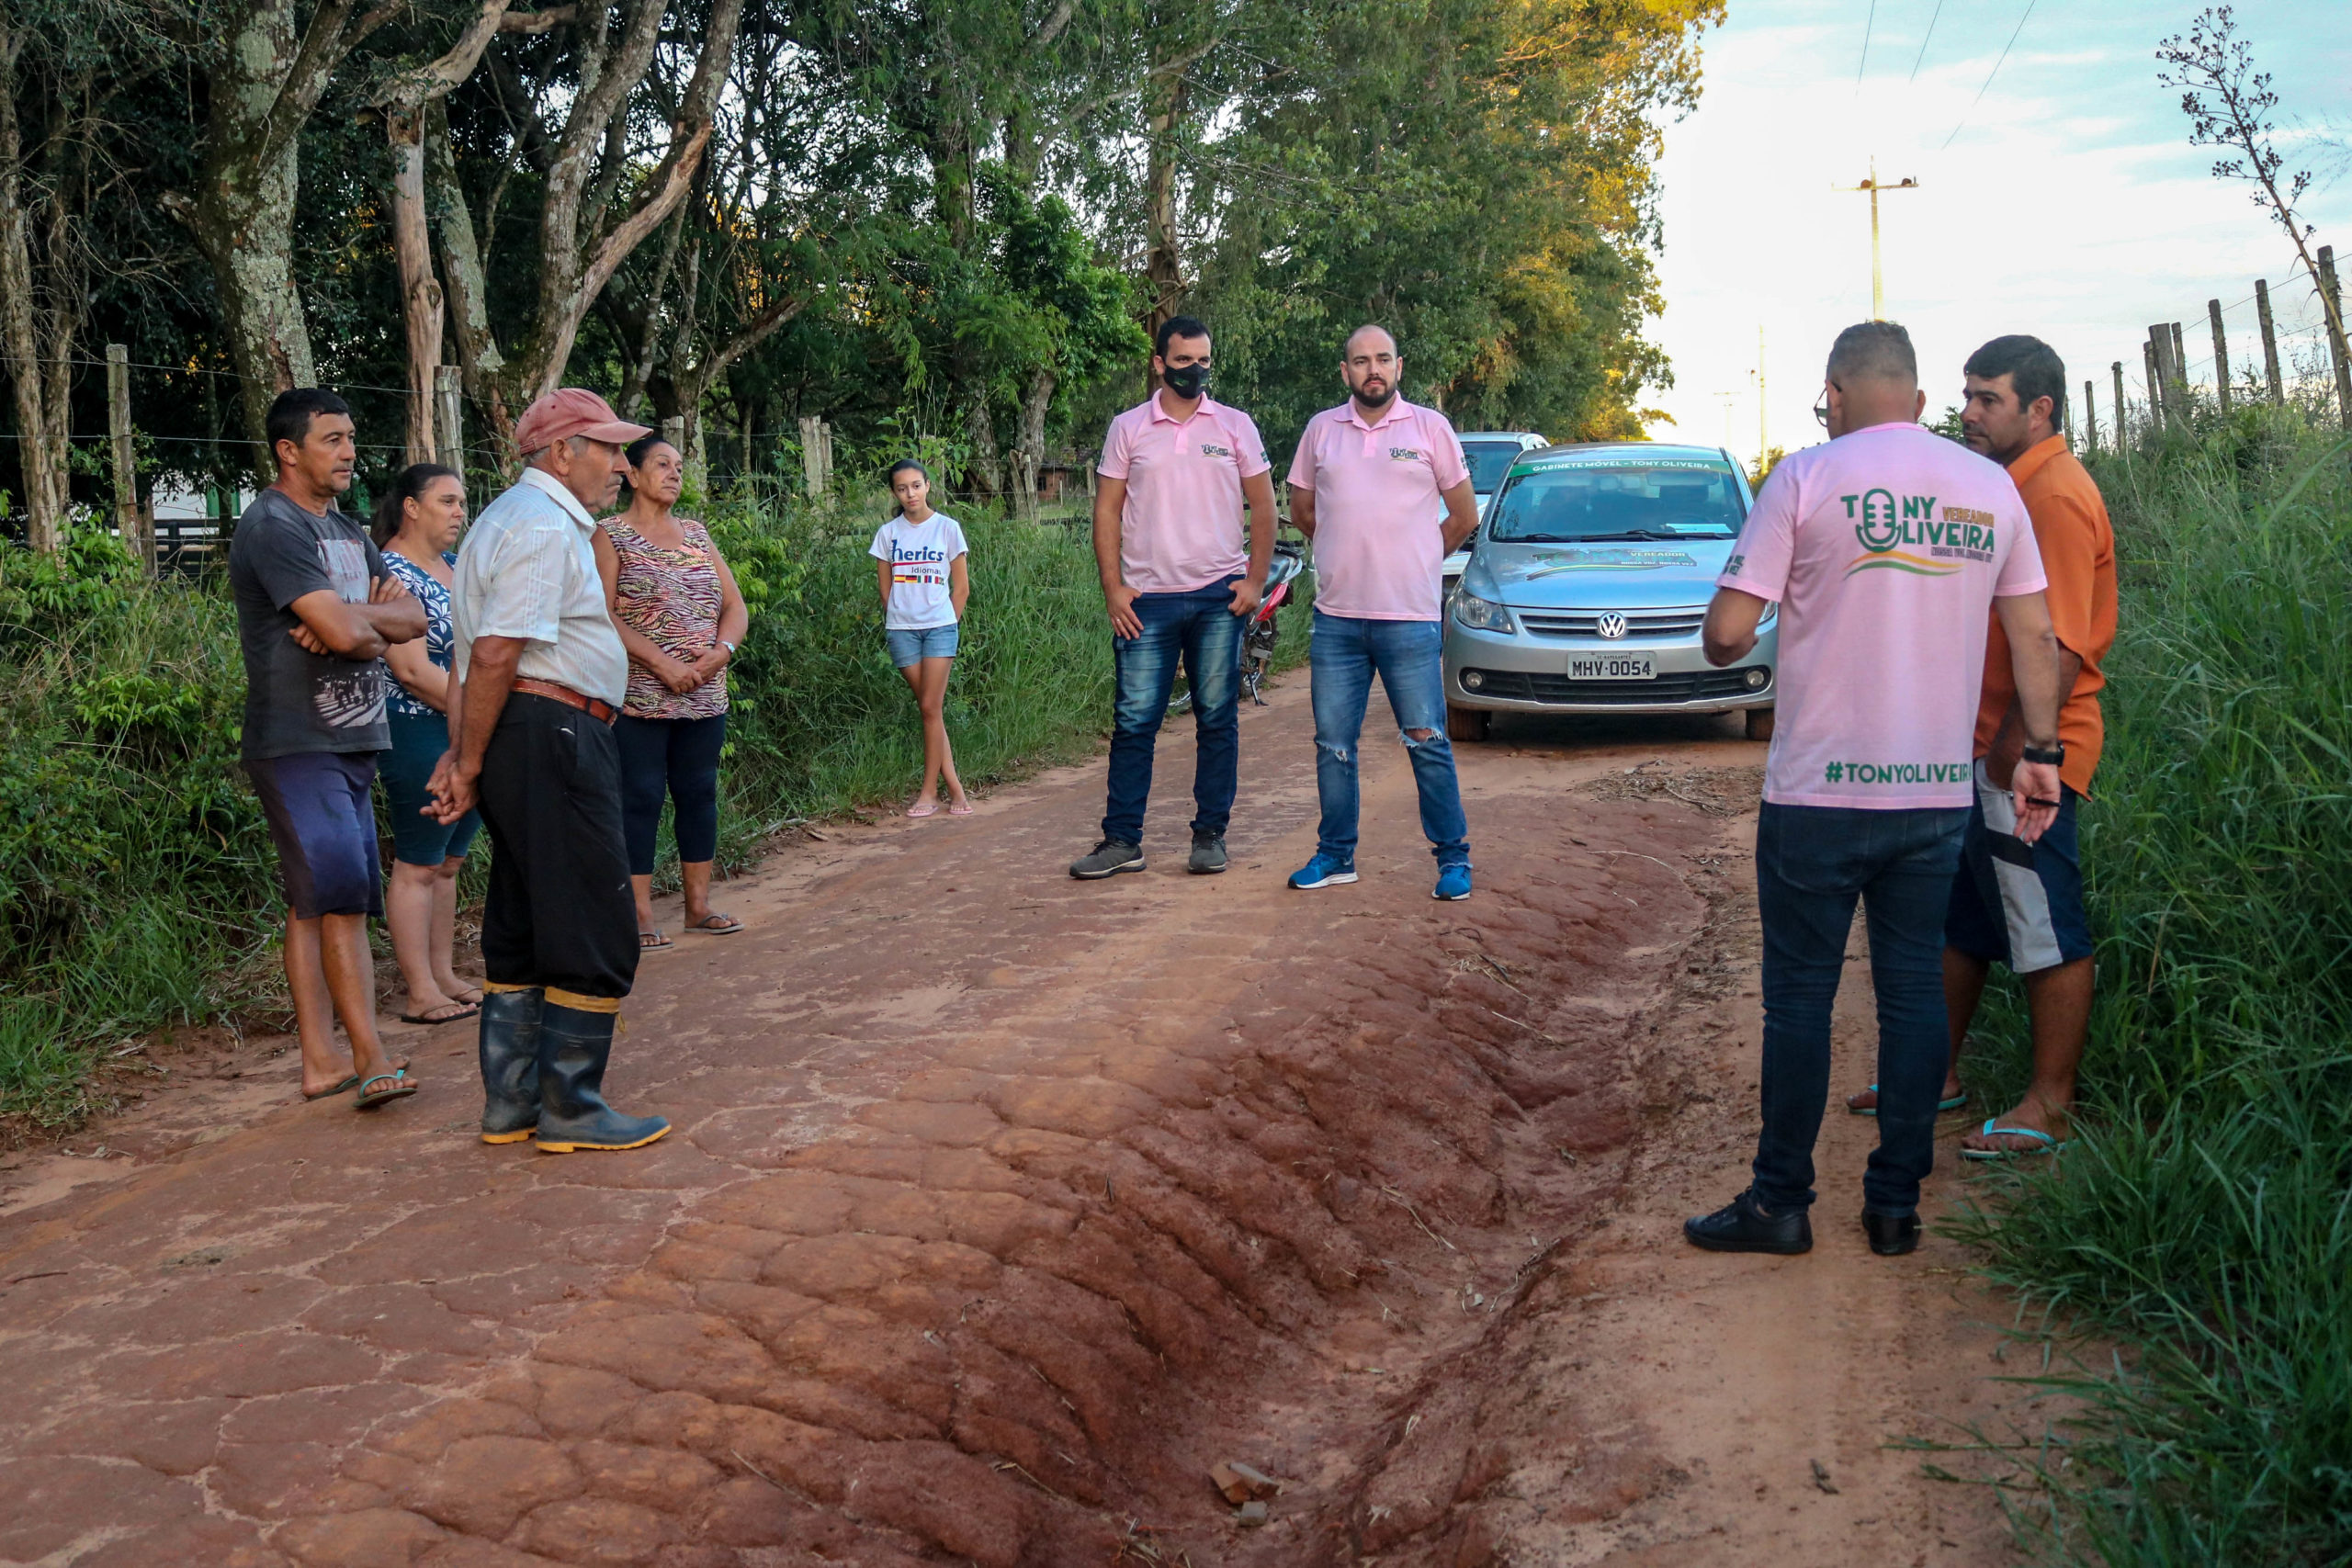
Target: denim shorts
{"x":910,"y":648}
{"x":418,"y":840}
{"x":321,"y":815}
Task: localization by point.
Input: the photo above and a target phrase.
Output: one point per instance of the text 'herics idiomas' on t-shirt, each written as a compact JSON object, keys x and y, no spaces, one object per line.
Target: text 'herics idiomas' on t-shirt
{"x":922,"y":591}
{"x":1885,"y":550}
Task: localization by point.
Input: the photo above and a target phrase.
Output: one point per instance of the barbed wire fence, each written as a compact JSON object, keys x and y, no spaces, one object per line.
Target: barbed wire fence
{"x":2279,"y":348}
{"x":175,"y":508}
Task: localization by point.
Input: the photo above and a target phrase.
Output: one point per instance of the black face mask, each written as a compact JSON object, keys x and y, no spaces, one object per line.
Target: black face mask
{"x":1186,"y":381}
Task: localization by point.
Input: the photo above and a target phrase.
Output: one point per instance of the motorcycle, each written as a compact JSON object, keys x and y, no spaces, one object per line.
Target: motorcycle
{"x":1261,"y":630}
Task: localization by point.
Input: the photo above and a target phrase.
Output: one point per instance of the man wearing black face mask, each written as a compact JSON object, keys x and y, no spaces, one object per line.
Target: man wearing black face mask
{"x":1176,"y":471}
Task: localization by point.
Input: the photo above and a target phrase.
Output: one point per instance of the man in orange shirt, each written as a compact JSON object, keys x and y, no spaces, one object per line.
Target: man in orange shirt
{"x":2023,"y":903}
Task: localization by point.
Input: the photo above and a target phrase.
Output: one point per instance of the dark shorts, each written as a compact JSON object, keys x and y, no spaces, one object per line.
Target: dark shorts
{"x":407,"y":768}
{"x":323,"y":818}
{"x":2021,"y":903}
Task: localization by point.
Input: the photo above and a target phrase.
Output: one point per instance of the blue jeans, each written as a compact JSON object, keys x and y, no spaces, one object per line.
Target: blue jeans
{"x":1343,"y":656}
{"x":1812,"y":863}
{"x":1201,"y":628}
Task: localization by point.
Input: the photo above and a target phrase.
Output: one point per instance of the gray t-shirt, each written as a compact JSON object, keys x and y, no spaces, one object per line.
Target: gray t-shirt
{"x":298,"y":701}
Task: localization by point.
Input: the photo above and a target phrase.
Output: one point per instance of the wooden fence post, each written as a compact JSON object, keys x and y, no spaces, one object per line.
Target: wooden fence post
{"x":448,"y":417}
{"x":2269,"y":343}
{"x":2160,"y":398}
{"x":2221,"y":355}
{"x":816,"y":455}
{"x":2090,"y":416}
{"x":137,"y":538}
{"x":2181,"y":404}
{"x":2123,"y":413}
{"x":2335,"y":345}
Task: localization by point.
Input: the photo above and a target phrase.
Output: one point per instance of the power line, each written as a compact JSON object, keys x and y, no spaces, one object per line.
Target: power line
{"x":1923,"y":42}
{"x":1868,"y":22}
{"x":1988,"y":80}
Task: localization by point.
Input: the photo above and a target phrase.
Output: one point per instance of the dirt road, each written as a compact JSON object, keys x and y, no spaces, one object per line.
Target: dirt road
{"x":1002,"y":1207}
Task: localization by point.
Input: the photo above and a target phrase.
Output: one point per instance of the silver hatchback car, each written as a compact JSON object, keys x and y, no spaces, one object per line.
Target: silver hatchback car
{"x":1587,"y":588}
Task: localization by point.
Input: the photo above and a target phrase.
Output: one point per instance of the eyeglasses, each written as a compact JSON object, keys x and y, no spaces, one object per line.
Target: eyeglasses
{"x":1821,"y":411}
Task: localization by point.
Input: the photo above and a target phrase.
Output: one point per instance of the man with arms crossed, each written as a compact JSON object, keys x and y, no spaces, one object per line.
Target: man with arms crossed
{"x":1885,"y":550}
{"x":315,"y":611}
{"x":2023,"y":903}
{"x":541,"y":673}
{"x":1380,"y":485}
{"x":1176,"y":471}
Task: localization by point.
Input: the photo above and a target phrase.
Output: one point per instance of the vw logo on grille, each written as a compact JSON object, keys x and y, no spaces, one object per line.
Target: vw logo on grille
{"x":1611,"y":624}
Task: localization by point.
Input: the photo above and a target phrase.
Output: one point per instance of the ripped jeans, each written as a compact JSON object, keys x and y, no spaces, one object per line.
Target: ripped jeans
{"x":1343,"y":656}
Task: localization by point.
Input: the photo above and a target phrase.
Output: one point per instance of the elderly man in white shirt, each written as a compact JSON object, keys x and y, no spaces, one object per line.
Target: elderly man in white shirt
{"x":542,"y":671}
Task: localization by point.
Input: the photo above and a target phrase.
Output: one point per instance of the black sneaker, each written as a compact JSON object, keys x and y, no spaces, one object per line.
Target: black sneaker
{"x":1741,"y":1225}
{"x":1110,"y":858}
{"x":1208,"y":854}
{"x":1891,"y":1236}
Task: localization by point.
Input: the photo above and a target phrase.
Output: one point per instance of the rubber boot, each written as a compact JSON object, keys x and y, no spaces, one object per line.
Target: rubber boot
{"x":510,"y":1065}
{"x":574,"y":1046}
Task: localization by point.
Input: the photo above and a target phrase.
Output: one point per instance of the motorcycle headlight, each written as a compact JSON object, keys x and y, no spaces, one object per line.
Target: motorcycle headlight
{"x":1484,"y":614}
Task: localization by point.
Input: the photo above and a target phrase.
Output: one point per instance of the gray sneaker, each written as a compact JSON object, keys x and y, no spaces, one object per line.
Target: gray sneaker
{"x":1110,"y":858}
{"x":1208,"y":854}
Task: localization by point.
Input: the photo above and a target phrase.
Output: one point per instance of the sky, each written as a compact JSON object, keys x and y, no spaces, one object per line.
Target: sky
{"x":2067,"y":202}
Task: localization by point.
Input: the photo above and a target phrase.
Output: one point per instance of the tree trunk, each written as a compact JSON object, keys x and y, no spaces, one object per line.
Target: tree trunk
{"x":421,"y":300}
{"x":1029,"y":450}
{"x":39,"y":416}
{"x":984,"y":470}
{"x":478,"y":357}
{"x":1163,"y":265}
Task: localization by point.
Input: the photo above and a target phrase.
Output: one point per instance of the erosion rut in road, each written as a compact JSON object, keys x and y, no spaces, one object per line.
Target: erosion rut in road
{"x":1000,"y":1208}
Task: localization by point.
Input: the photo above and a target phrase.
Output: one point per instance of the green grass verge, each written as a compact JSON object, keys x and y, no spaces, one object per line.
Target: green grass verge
{"x":2203,"y":1218}
{"x":137,"y":880}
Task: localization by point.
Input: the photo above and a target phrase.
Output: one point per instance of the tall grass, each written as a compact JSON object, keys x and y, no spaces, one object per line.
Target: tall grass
{"x":137,"y":880}
{"x":2204,"y":1215}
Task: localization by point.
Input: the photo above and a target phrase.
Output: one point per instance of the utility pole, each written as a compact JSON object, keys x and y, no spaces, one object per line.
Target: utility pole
{"x":1872,"y":185}
{"x":1727,"y":399}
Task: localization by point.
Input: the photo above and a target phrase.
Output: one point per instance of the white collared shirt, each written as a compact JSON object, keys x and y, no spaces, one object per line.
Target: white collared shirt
{"x":529,"y":569}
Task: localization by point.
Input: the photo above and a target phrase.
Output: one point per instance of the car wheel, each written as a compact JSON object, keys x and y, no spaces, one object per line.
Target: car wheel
{"x":1760,"y":724}
{"x":1466,"y":724}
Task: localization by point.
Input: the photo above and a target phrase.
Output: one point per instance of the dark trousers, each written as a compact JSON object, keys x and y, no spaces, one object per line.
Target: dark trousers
{"x":1201,"y":629}
{"x":1812,"y":863}
{"x":558,"y":913}
{"x":678,"y":758}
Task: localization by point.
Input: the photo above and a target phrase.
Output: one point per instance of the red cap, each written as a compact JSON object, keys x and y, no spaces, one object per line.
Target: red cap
{"x":568,"y":412}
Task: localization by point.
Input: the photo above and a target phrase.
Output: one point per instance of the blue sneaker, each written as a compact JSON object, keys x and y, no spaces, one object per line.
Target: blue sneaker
{"x":1323,"y":870}
{"x":1452,"y":882}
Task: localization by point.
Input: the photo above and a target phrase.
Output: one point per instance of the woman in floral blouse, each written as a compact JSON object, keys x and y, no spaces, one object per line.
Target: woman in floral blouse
{"x":681,"y":617}
{"x":417,"y":527}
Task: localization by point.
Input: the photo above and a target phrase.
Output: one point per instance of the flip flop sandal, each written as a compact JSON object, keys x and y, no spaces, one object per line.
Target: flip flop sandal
{"x":472,"y":1001}
{"x":1954,"y":1103}
{"x":963,"y":810}
{"x":346,"y":1087}
{"x":371,"y":1097}
{"x":467,"y":1010}
{"x":648,"y":941}
{"x":922,"y":811}
{"x":2045,"y":1144}
{"x":716,"y":924}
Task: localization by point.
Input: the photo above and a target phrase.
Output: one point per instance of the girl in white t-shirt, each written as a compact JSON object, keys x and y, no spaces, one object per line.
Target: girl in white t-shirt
{"x":924,"y":585}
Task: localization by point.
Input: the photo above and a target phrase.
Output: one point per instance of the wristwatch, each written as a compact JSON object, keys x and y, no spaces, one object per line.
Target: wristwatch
{"x":2048,"y":756}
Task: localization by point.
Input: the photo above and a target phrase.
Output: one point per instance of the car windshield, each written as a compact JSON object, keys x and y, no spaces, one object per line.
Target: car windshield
{"x":1620,"y":499}
{"x":1490,"y":461}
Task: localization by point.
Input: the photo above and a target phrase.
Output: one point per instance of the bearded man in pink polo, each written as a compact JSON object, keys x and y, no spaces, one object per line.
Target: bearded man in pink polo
{"x":1178,"y":581}
{"x":1380,"y":485}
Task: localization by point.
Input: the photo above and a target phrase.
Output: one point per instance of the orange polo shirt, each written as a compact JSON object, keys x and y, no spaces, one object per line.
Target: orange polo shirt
{"x":2078,"y":557}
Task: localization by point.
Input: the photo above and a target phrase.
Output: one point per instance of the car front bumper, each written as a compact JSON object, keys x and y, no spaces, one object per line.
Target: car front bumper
{"x":1527,"y":672}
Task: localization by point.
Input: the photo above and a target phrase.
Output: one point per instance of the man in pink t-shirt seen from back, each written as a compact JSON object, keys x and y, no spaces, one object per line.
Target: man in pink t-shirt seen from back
{"x":1178,"y":579}
{"x":1884,"y":550}
{"x":1380,"y":485}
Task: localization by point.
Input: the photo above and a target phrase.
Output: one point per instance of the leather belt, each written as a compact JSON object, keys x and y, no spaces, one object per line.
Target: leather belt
{"x":602,"y":712}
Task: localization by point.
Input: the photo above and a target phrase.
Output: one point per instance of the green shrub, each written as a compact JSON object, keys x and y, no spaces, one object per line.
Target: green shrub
{"x":2204,"y":1214}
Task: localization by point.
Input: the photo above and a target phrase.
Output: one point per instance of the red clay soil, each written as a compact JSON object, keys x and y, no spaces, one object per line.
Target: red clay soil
{"x":1002,"y":1207}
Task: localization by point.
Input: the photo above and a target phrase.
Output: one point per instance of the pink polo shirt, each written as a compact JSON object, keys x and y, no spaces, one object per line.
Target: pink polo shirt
{"x":1379,"y":508}
{"x":1886,"y":549}
{"x":1181,"y":528}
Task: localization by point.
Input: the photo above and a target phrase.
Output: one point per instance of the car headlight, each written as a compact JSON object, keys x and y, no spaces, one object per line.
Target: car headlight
{"x":1484,"y":614}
